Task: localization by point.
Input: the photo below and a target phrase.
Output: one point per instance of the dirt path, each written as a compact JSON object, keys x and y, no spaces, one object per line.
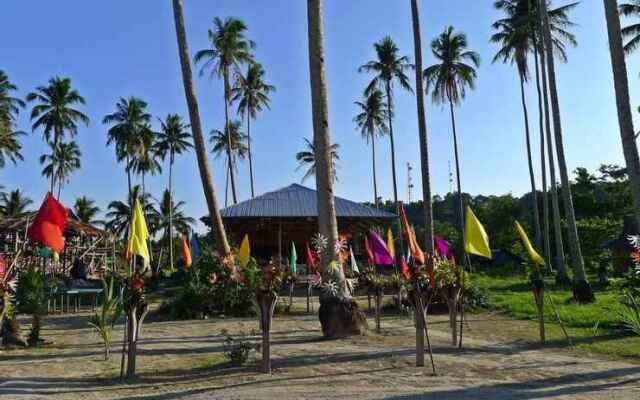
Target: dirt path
{"x":183,"y":360}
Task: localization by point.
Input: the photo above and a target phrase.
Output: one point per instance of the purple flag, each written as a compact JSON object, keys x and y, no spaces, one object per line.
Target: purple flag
{"x":381,"y":255}
{"x":442,"y":247}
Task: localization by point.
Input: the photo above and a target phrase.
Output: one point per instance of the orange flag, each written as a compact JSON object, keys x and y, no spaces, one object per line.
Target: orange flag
{"x":186,"y":253}
{"x":48,"y":226}
{"x":414,"y":248}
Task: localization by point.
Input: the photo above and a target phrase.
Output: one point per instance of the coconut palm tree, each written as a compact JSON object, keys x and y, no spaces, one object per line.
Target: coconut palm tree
{"x":621,"y":84}
{"x":9,"y":109}
{"x":307,"y":159}
{"x":372,"y":121}
{"x":229,"y":50}
{"x":14,"y":203}
{"x":631,"y":32}
{"x":173,"y":139}
{"x":514,"y":41}
{"x":221,"y":142}
{"x":171,"y":215}
{"x":119,"y":213}
{"x":448,"y":81}
{"x":129,"y":125}
{"x":146,"y":159}
{"x":63,"y":161}
{"x":86,"y":210}
{"x":54,"y":112}
{"x":252,"y":94}
{"x":196,"y":128}
{"x":582,"y":289}
{"x":389,"y":68}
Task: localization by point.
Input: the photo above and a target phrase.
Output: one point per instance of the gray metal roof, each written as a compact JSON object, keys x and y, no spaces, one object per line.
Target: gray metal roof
{"x":297,"y":201}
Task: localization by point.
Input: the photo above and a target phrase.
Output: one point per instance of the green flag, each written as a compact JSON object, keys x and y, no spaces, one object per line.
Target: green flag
{"x":293,"y":258}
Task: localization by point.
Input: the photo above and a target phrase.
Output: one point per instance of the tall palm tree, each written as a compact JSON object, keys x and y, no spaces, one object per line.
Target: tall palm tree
{"x":621,"y":84}
{"x":146,"y":157}
{"x":129,"y":125}
{"x":229,"y":50}
{"x":119,"y":213}
{"x":171,"y":215}
{"x":221,"y":142}
{"x":582,"y":289}
{"x":173,"y":139}
{"x":86,"y":210}
{"x":54,"y":112}
{"x":307,"y":159}
{"x":252,"y":94}
{"x":324,"y":168}
{"x":372,"y":123}
{"x":9,"y":109}
{"x":14,"y":203}
{"x":196,"y":128}
{"x":631,"y":32}
{"x":448,"y":81}
{"x":10,"y":146}
{"x":389,"y":68}
{"x":514,"y":40}
{"x":63,"y":161}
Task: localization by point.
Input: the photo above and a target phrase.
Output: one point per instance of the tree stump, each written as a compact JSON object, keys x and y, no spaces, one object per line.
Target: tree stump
{"x":266,"y":300}
{"x":341,"y":317}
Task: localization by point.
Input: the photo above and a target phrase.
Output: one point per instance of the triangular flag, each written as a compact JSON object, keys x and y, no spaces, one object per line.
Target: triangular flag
{"x":48,"y":226}
{"x":186,"y":253}
{"x":244,"y":254}
{"x":476,"y":240}
{"x":390,"y":243}
{"x":293,"y":259}
{"x":138,"y":234}
{"x":379,"y":249}
{"x":195,"y":247}
{"x":442,"y":247}
{"x":414,"y":248}
{"x":309,"y":259}
{"x":533,"y":254}
{"x":354,"y":265}
{"x":367,"y":250}
{"x":404,"y":269}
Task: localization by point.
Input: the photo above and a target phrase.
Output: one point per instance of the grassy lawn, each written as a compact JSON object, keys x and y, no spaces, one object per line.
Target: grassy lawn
{"x":594,"y":328}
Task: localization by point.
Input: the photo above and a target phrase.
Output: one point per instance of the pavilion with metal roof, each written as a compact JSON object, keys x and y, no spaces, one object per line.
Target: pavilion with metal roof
{"x":278,"y":218}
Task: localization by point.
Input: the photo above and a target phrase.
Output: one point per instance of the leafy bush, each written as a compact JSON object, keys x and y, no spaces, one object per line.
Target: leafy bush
{"x":475,"y":297}
{"x":210,"y":288}
{"x":104,"y":320}
{"x":238,"y":350}
{"x":31,"y":298}
{"x":630,"y":313}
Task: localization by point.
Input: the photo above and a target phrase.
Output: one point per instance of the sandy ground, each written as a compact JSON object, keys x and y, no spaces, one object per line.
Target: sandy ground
{"x":183,"y":360}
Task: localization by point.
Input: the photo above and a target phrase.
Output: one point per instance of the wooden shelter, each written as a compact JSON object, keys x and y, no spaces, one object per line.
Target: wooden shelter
{"x":276,"y":219}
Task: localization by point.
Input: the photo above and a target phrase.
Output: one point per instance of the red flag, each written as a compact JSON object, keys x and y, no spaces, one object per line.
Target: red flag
{"x":186,"y":253}
{"x":309,"y":259}
{"x":404,"y":269}
{"x":367,"y":250}
{"x":48,"y":226}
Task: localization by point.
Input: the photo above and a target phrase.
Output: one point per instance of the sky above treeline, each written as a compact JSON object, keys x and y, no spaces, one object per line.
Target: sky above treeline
{"x":113,"y":49}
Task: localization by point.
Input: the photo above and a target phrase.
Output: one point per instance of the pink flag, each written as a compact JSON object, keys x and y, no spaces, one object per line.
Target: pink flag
{"x":381,"y":255}
{"x":442,"y":247}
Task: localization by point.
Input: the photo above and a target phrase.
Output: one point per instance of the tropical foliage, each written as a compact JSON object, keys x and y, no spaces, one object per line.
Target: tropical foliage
{"x":307,"y":159}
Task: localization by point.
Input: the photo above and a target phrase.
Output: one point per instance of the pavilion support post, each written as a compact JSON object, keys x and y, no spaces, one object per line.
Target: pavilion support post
{"x":279,"y":243}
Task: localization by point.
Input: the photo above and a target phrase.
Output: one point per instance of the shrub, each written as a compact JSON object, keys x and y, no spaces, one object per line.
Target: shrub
{"x":31,"y":298}
{"x":104,"y":320}
{"x":238,"y":350}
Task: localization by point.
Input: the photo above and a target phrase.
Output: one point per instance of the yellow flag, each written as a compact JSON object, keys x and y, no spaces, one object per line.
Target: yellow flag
{"x":476,"y":240}
{"x":390,"y":244}
{"x":138,"y":234}
{"x":533,"y":254}
{"x":245,"y":252}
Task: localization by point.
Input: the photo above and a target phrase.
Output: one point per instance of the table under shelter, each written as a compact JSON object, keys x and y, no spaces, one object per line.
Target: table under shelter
{"x":276,"y":219}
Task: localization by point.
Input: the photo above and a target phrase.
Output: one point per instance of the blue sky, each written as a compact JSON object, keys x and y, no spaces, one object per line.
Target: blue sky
{"x":121,"y":48}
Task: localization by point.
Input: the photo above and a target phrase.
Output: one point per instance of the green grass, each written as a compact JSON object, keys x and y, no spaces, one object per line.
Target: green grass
{"x":593,"y":327}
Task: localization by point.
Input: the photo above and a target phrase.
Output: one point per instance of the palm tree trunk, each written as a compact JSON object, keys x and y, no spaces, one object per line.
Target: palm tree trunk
{"x":249,"y":150}
{"x":532,"y":179}
{"x":226,"y":131}
{"x":56,"y":139}
{"x":226,"y":183}
{"x":625,"y":119}
{"x":393,"y":168}
{"x":426,"y":175}
{"x":457,"y":159}
{"x":196,"y":129}
{"x":582,"y":289}
{"x":562,"y":276}
{"x":373,"y":163}
{"x":171,"y":210}
{"x":543,"y":163}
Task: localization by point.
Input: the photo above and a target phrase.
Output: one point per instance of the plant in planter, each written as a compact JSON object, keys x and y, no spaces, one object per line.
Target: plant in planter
{"x":449,"y":278}
{"x":270,"y":280}
{"x":110,"y":312}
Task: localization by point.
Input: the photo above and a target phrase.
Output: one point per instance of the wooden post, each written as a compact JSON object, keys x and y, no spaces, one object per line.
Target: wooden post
{"x":266,"y":302}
